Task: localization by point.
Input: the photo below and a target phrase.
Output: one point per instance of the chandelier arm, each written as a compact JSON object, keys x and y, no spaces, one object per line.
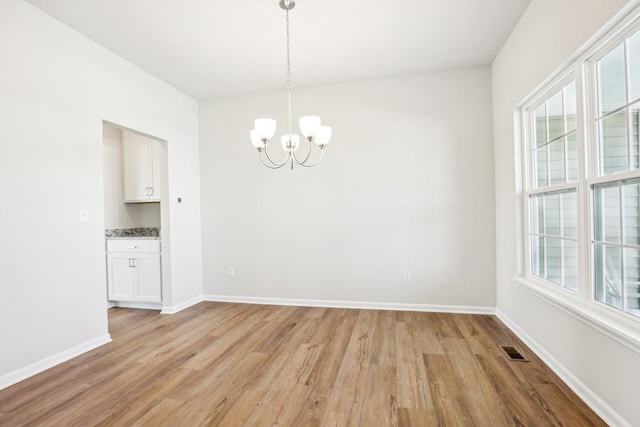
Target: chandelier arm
{"x":273,"y":164}
{"x":314,"y":163}
{"x":278,"y":165}
{"x":305,"y":159}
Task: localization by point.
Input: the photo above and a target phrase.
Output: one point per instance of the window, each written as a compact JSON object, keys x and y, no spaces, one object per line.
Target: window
{"x":553,"y":236}
{"x":582,"y":167}
{"x":553,"y":162}
{"x":618,"y":90}
{"x":616,"y":190}
{"x":617,"y":244}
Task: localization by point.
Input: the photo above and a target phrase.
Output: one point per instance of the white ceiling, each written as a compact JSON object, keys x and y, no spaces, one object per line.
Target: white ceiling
{"x":215,"y":48}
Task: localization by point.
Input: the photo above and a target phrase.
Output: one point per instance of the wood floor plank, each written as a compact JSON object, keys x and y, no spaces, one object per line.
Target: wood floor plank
{"x":344,"y":404}
{"x":222,"y":364}
{"x":450,"y":405}
{"x":411,"y":417}
{"x":276,"y":367}
{"x":484,"y":403}
{"x":412,"y":387}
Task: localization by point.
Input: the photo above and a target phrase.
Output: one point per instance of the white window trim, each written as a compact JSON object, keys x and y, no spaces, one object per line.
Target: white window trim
{"x":617,"y":324}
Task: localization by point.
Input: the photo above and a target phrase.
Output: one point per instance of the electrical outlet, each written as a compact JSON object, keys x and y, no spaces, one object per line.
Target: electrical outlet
{"x":231,"y":272}
{"x":407,"y":276}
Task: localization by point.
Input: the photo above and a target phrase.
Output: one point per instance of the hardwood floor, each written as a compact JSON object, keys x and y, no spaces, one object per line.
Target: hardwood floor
{"x":234,"y":365}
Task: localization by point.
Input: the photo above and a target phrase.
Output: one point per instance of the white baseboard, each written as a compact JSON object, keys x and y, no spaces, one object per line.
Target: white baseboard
{"x":353,"y":304}
{"x":25,"y":372}
{"x":179,"y":307}
{"x":139,"y":305}
{"x":599,"y":406}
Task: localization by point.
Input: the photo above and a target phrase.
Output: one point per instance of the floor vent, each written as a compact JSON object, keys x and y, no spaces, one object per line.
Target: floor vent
{"x":514,"y":354}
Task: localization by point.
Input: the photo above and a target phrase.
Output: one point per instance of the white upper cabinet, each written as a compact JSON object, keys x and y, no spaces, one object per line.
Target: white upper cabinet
{"x":141,"y":168}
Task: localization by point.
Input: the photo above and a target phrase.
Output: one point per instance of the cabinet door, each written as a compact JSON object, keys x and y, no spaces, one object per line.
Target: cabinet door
{"x":154,"y":170}
{"x":141,"y":168}
{"x":148,"y":279}
{"x":120,"y":277}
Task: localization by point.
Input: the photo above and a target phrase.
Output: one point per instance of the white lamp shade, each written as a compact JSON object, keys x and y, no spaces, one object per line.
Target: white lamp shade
{"x":295,"y":139}
{"x":323,"y":136}
{"x":255,"y":139}
{"x":265,"y":128}
{"x":309,"y":126}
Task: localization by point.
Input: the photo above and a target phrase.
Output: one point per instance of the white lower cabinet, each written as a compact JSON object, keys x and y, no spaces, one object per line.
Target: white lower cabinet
{"x":133,"y":271}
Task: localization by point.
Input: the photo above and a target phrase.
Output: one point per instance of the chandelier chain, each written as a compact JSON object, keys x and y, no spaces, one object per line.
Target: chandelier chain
{"x":288,"y":74}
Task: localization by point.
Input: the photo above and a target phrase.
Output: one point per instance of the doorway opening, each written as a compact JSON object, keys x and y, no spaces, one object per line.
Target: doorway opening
{"x":135,"y":215}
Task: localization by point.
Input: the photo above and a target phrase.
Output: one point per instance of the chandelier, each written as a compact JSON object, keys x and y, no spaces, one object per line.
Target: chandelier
{"x":310,"y":126}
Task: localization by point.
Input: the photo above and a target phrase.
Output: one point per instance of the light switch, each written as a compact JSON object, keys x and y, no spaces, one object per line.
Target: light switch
{"x":84,"y":216}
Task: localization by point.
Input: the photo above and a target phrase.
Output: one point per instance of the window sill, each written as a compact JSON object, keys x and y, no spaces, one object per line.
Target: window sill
{"x":619,"y":326}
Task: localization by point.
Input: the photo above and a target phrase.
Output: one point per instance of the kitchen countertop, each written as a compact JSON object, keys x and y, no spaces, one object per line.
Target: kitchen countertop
{"x":133,"y":238}
{"x":144,"y":233}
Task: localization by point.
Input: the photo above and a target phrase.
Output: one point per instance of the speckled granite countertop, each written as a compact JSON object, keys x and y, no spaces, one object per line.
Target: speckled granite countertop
{"x":148,"y":233}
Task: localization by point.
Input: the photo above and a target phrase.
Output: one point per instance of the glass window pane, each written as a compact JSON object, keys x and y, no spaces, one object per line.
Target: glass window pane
{"x":611,"y":81}
{"x":554,"y":264}
{"x":536,"y":215}
{"x":540,"y":158}
{"x":537,"y":256}
{"x":570,"y":106}
{"x":611,"y":214}
{"x":632,"y":280}
{"x":555,"y":116}
{"x":598,"y":270}
{"x":634,"y":121}
{"x":634,"y":66}
{"x":570,"y":253}
{"x":540,"y":117}
{"x":613,"y":143}
{"x":607,"y":214}
{"x":570,"y":214}
{"x":552,"y":215}
{"x":631,"y":213}
{"x":556,"y":158}
{"x":572,"y":157}
{"x":608,"y":271}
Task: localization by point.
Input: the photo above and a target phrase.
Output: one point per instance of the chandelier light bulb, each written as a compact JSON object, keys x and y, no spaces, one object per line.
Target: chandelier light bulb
{"x":265,"y":128}
{"x":255,"y":139}
{"x":323,"y":136}
{"x":309,"y":126}
{"x":295,"y":142}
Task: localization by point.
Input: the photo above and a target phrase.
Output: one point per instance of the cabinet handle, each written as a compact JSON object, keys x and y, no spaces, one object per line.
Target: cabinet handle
{"x":132,"y":247}
{"x":134,"y":262}
{"x":130,"y":261}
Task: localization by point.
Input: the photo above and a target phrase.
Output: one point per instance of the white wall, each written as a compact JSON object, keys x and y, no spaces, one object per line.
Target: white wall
{"x":406,"y":184}
{"x":56,"y":88}
{"x":548,"y":34}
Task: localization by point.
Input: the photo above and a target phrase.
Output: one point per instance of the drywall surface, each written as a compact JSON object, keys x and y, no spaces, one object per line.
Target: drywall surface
{"x":549,"y":33}
{"x":56,"y":89}
{"x":406,"y":184}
